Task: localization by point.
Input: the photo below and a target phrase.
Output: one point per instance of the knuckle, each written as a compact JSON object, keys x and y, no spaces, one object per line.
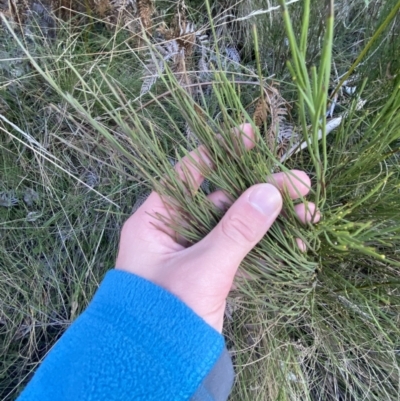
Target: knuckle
{"x":237,"y":229}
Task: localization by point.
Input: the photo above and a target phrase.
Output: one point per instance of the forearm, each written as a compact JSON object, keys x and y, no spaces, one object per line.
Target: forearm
{"x":134,"y":341}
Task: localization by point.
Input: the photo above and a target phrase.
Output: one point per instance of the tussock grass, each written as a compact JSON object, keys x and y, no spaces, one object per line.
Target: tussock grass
{"x":82,"y":143}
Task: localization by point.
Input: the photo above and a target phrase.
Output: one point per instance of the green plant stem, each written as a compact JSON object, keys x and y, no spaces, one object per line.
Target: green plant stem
{"x":377,"y":33}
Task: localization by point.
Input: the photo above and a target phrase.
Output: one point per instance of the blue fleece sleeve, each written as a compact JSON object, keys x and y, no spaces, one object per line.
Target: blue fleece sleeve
{"x":135,"y":341}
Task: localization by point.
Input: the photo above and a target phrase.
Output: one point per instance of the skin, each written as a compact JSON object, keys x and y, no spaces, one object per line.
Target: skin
{"x":201,"y":275}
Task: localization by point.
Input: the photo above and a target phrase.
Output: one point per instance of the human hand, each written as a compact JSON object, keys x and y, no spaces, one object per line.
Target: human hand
{"x":202,"y":275}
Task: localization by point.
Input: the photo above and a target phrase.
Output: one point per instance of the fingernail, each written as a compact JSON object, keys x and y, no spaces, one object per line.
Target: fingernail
{"x":266,"y":198}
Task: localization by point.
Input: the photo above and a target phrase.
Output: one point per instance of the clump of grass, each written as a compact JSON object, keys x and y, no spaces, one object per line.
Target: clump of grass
{"x":63,"y":199}
{"x":85,"y":142}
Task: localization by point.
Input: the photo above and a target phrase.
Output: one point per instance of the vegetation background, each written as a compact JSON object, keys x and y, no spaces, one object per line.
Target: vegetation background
{"x":99,"y":98}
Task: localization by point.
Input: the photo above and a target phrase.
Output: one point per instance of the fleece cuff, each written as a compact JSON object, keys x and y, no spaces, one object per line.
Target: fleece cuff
{"x":162,"y":324}
{"x":135,"y":341}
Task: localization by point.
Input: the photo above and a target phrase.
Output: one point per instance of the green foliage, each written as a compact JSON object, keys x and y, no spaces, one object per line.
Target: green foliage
{"x":79,"y":146}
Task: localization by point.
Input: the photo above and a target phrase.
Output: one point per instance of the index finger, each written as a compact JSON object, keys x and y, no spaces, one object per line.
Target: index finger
{"x":295,"y":183}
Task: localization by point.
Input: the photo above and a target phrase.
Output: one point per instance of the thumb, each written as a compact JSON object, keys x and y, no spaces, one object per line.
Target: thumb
{"x":242,"y":227}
